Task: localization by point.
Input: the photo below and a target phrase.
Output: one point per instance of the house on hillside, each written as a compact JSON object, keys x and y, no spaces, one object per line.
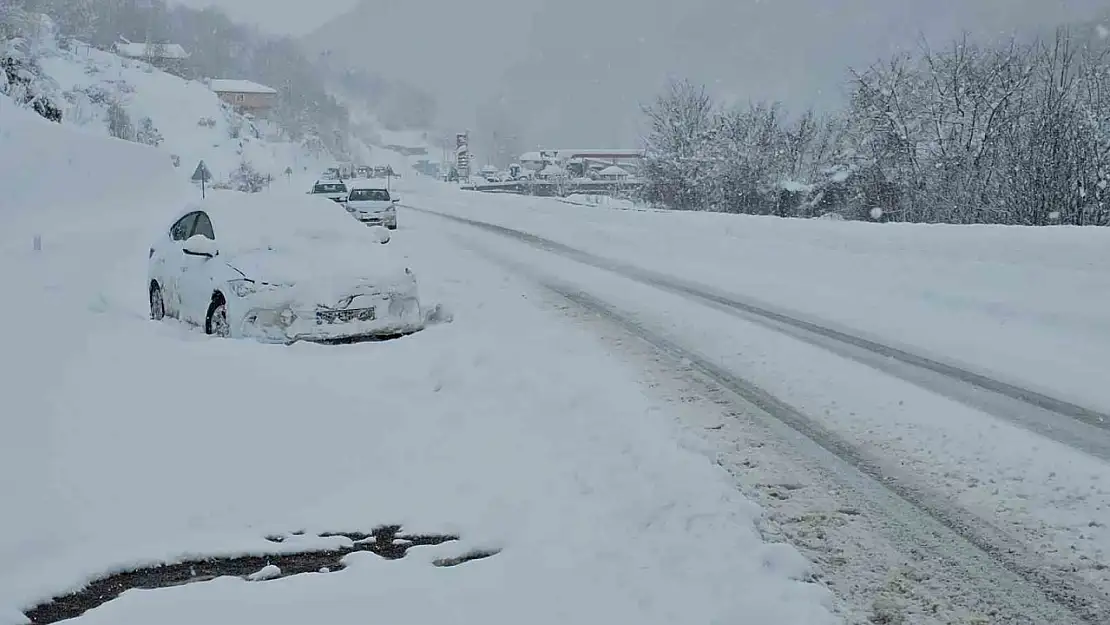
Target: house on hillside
{"x":168,"y":57}
{"x":244,"y":95}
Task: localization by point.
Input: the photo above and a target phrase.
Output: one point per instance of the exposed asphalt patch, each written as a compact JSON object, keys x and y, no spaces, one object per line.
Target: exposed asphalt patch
{"x":385,"y":541}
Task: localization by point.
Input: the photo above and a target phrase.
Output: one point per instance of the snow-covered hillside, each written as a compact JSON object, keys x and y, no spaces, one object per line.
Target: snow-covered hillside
{"x":35,"y":155}
{"x":106,"y":94}
{"x":183,"y":118}
{"x":399,"y":149}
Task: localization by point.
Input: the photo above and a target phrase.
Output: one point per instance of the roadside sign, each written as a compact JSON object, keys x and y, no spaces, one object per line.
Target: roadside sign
{"x":202,"y":175}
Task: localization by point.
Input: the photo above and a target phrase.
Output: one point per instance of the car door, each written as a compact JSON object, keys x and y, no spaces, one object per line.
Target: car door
{"x":195,"y":275}
{"x":169,"y":266}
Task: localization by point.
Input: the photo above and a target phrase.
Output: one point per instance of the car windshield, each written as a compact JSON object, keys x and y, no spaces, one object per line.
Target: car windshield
{"x":374,"y":195}
{"x":329,"y":188}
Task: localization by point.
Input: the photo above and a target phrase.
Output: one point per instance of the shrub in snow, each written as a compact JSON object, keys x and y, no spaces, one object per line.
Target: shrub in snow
{"x":119,"y":123}
{"x":206,"y":122}
{"x":147,"y":133}
{"x":23,"y":81}
{"x":176,"y":160}
{"x":247,"y":179}
{"x":97,"y":94}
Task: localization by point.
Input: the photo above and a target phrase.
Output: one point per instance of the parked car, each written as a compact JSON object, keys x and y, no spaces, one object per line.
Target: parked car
{"x":280,"y":272}
{"x":335,"y":191}
{"x":373,"y":205}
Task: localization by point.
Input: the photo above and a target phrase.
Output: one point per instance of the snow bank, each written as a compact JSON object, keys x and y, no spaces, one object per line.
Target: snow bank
{"x":80,"y":194}
{"x":604,"y":201}
{"x":57,"y":177}
{"x":1023,"y":304}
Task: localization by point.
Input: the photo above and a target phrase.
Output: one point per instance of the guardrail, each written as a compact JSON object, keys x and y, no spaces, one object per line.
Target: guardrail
{"x":549,"y":188}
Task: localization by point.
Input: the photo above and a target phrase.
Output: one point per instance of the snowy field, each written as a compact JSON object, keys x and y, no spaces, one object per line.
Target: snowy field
{"x":128,"y":442}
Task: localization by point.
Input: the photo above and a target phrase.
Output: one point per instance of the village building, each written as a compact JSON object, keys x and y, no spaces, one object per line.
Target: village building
{"x":244,"y":95}
{"x":168,"y":57}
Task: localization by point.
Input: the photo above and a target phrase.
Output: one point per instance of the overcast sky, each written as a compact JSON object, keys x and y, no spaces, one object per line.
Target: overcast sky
{"x":577,"y":71}
{"x":293,"y":17}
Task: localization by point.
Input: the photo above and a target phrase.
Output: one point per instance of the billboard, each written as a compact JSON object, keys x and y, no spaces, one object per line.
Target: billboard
{"x":462,"y":154}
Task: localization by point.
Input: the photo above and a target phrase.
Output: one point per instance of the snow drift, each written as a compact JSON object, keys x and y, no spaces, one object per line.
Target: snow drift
{"x":54,"y":175}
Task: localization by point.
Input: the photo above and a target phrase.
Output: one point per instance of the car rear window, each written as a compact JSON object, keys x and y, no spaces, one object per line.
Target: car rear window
{"x":374,"y":195}
{"x":329,"y":188}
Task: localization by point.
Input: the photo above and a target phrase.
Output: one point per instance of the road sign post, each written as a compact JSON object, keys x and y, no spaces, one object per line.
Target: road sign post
{"x":202,"y":175}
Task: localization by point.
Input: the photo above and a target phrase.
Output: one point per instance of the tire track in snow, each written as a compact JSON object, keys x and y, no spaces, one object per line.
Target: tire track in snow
{"x":1017,"y":585}
{"x":1076,"y":426}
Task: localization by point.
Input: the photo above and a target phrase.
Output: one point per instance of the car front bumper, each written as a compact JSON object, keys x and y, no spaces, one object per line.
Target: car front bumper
{"x":381,"y":317}
{"x":378,"y":219}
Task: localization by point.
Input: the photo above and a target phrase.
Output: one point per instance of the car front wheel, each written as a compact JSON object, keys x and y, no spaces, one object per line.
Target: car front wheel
{"x":216,"y":322}
{"x":157,"y":305}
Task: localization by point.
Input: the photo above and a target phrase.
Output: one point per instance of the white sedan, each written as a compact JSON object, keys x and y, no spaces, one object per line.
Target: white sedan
{"x":280,"y":271}
{"x":373,"y":205}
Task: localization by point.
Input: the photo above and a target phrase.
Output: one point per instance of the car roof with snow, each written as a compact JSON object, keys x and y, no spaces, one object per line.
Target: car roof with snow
{"x":242,"y":221}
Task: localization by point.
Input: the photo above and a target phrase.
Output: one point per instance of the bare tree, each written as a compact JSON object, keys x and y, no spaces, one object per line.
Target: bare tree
{"x":682,"y":126}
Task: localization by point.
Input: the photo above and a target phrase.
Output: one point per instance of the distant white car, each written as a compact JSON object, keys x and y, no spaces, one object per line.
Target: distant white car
{"x":280,"y":271}
{"x":373,"y":205}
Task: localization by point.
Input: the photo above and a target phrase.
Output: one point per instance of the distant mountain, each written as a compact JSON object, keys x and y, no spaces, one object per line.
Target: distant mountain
{"x":455,"y":51}
{"x":576,"y":72}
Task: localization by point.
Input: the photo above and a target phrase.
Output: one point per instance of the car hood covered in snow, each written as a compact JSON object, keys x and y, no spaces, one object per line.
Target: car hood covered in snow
{"x":322,"y":275}
{"x":311,"y":246}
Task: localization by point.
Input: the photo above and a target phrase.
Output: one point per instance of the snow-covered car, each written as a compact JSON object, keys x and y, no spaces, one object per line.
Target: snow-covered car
{"x":373,"y":205}
{"x":335,"y":191}
{"x":280,"y":271}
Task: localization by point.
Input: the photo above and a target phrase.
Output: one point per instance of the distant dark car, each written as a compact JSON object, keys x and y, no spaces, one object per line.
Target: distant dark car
{"x":334,"y":191}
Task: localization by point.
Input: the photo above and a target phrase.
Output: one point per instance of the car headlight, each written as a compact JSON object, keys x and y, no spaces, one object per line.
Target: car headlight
{"x":280,"y":318}
{"x":243,"y":288}
{"x":286,"y":317}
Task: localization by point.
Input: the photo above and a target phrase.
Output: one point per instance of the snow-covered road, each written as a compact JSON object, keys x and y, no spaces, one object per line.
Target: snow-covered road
{"x":1019,"y":477}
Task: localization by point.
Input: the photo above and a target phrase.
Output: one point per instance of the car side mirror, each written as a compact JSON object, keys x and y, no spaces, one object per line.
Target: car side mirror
{"x":395,"y":200}
{"x":200,"y":245}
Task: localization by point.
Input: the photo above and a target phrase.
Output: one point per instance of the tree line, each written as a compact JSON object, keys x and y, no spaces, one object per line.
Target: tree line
{"x":1006,"y":134}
